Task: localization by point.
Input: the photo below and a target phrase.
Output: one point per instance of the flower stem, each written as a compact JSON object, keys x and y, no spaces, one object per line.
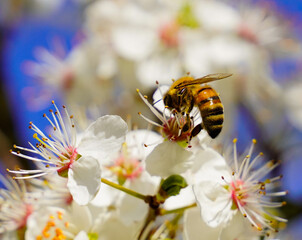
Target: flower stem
{"x":177,"y":210}
{"x":126,"y":190}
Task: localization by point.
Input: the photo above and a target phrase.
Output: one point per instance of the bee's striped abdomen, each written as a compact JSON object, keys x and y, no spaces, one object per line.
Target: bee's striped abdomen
{"x":211,"y":110}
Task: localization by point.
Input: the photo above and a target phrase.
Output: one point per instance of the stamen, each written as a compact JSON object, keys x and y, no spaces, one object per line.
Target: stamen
{"x":149,"y":120}
{"x":156,"y":113}
{"x":235,"y":154}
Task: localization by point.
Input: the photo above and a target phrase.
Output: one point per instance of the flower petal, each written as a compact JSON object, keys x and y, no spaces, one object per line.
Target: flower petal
{"x":158,"y":101}
{"x":208,"y":13}
{"x":134,"y":43}
{"x":84,"y":179}
{"x":214,"y":202}
{"x":133,"y":209}
{"x":160,"y":68}
{"x":195,"y":227}
{"x":168,"y":158}
{"x":81,"y":236}
{"x":240,"y":229}
{"x":184,"y":198}
{"x":206,"y":159}
{"x":137,"y":141}
{"x":103,"y":137}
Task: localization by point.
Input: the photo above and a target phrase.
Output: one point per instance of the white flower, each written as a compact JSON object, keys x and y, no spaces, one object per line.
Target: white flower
{"x":82,"y":76}
{"x":161,"y":39}
{"x":221,"y":192}
{"x":53,"y":68}
{"x":75,"y":222}
{"x":293,"y":107}
{"x":266,"y":28}
{"x":78,"y":159}
{"x":128,"y":168}
{"x":16,"y":205}
{"x":51,"y":191}
{"x":194,"y":227}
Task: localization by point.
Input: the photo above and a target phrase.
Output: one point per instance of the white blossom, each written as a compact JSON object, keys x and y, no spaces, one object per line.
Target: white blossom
{"x":222,"y":191}
{"x":78,"y":159}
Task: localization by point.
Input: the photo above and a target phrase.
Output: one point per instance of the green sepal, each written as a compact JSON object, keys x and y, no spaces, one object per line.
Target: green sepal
{"x":172,"y":185}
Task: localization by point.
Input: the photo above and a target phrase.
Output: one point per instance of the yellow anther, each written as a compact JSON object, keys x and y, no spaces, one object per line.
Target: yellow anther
{"x":254,"y":141}
{"x":234,"y":140}
{"x":66,"y":224}
{"x":137,"y":90}
{"x":247,"y":156}
{"x":261,"y":153}
{"x":50,"y":224}
{"x":42,"y":142}
{"x":60,"y":215}
{"x":45,"y":234}
{"x":53,"y":102}
{"x":267,"y":181}
{"x":145,"y":96}
{"x":39,"y":237}
{"x":59,"y":232}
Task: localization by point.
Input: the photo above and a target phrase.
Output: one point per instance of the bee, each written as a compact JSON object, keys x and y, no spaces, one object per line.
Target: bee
{"x":187,"y":92}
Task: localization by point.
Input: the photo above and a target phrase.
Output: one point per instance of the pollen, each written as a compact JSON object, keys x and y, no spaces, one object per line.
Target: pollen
{"x":60,"y":215}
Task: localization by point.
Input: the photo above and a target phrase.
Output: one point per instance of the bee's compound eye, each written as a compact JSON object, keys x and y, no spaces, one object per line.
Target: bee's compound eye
{"x":168,"y":100}
{"x":183,"y":91}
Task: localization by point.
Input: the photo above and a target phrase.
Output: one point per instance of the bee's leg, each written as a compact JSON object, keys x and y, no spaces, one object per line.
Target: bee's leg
{"x":196,"y":130}
{"x":187,"y":125}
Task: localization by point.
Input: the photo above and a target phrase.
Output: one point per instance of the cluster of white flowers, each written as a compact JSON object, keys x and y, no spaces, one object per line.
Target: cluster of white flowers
{"x":95,"y":177}
{"x":87,"y":184}
{"x":131,"y":44}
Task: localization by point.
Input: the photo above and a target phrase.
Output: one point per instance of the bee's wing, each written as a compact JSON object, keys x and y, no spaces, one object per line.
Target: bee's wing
{"x":205,"y":79}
